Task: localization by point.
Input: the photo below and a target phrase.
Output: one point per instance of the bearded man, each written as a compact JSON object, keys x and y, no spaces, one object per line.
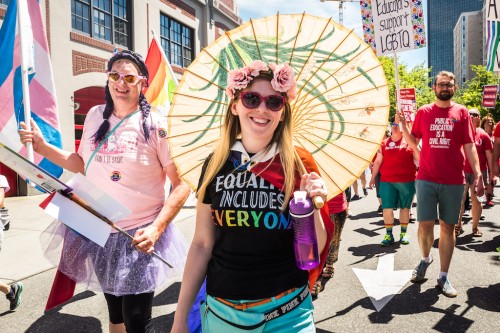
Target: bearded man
{"x":444,"y":128}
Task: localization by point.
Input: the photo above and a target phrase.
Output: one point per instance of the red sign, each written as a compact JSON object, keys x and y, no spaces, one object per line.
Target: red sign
{"x":408,"y":103}
{"x":489,"y":96}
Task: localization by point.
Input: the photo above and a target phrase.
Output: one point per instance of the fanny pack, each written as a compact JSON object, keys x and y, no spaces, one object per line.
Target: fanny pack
{"x":216,"y":314}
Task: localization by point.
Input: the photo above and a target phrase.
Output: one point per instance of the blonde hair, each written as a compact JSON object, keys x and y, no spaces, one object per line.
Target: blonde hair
{"x":231,"y":131}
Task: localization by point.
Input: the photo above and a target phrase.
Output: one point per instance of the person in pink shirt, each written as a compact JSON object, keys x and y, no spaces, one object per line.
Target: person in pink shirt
{"x":484,"y":149}
{"x":395,"y":162}
{"x":446,"y":133}
{"x":125,"y":151}
{"x":488,"y":124}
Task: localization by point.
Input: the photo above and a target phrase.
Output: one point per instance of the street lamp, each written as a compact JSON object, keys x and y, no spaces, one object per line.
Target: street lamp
{"x":341,"y":8}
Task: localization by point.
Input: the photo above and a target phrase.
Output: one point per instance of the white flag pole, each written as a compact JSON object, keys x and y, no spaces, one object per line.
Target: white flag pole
{"x":396,"y":75}
{"x":22,"y":10}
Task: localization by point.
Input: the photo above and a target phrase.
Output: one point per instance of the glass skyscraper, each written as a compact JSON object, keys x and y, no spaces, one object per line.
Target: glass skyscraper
{"x":442,"y":16}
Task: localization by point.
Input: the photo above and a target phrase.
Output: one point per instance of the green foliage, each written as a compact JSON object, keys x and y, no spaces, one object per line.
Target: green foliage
{"x":470,"y":93}
{"x":417,"y":77}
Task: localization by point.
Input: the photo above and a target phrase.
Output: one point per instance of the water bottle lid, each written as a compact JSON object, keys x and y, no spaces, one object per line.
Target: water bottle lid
{"x":300,"y":204}
{"x":300,"y":196}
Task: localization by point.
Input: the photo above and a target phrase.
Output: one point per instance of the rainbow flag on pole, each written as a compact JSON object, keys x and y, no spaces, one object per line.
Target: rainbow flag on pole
{"x":162,"y":82}
{"x":41,"y":84}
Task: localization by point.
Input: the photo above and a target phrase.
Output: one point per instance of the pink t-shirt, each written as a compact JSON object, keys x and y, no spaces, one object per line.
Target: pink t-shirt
{"x":483,"y":143}
{"x":126,"y":166}
{"x":443,"y":131}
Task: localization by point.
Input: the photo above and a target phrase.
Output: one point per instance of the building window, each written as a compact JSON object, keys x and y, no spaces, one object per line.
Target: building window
{"x":176,"y":41}
{"x":108,"y":20}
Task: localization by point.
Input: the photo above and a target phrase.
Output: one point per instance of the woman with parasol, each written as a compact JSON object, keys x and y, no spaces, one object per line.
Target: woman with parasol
{"x":243,"y":241}
{"x":124,"y":149}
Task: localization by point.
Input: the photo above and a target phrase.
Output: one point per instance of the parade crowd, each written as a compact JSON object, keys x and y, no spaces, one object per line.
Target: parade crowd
{"x":246,"y":273}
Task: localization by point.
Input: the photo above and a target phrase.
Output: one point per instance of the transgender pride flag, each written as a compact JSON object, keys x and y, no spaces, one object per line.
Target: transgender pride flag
{"x":41,"y":86}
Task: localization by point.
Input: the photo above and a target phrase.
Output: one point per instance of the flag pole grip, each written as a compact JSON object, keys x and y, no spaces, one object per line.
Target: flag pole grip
{"x":82,"y":203}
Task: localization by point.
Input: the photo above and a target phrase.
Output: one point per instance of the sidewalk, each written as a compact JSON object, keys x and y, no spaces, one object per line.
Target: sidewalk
{"x":21,"y":256}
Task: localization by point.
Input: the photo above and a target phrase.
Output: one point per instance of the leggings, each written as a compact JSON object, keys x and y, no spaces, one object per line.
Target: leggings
{"x":133,"y":310}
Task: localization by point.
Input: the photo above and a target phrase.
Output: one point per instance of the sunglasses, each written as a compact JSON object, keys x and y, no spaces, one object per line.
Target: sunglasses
{"x":252,"y":100}
{"x":128,"y":78}
{"x":395,"y":124}
{"x":474,"y":115}
{"x":447,"y":85}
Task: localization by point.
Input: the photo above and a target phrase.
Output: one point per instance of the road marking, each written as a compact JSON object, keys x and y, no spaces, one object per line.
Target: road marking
{"x":381,"y":285}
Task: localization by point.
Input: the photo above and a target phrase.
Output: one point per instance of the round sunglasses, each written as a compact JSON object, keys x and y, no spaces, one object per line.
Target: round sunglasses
{"x":252,"y":100}
{"x":128,"y":78}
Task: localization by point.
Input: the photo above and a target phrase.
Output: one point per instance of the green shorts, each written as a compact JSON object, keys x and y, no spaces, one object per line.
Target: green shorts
{"x":397,"y":195}
{"x":431,"y":195}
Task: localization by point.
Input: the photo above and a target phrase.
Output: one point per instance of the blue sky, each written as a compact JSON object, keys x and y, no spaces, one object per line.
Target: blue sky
{"x":352,"y":18}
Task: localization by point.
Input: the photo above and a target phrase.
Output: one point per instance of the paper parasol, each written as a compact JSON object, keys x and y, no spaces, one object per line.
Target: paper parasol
{"x":342,"y":105}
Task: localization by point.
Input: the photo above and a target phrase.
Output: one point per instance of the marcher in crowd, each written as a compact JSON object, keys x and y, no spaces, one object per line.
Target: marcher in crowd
{"x":446,"y":133}
{"x":395,"y":161}
{"x":14,"y":291}
{"x":361,"y":178}
{"x":488,"y":124}
{"x":133,"y":169}
{"x":337,"y":207}
{"x":4,"y":212}
{"x":248,"y":260}
{"x":484,"y":149}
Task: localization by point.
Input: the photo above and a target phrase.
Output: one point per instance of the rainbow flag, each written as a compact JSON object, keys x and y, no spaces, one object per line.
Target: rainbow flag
{"x":162,"y":82}
{"x":41,"y":84}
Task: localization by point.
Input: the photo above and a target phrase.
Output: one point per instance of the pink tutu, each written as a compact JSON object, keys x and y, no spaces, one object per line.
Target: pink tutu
{"x":117,"y":268}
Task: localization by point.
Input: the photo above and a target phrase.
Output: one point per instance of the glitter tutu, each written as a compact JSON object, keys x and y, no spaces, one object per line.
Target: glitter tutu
{"x":117,"y":268}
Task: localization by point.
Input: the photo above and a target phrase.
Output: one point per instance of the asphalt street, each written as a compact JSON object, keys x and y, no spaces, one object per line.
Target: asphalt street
{"x":364,"y":268}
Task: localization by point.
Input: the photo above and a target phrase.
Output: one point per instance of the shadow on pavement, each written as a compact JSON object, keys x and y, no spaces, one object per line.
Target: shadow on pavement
{"x":369,"y":251}
{"x":168,"y":296}
{"x":485,"y":298}
{"x":55,"y":322}
{"x":412,"y":301}
{"x":366,"y":215}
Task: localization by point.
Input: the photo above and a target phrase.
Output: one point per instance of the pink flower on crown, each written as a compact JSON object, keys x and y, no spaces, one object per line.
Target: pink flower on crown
{"x":238,"y":79}
{"x":256,"y":67}
{"x":284,"y":79}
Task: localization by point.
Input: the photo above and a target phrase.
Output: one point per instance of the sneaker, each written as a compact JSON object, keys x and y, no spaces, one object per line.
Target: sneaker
{"x":355,"y":197}
{"x":388,"y":240}
{"x":4,"y":218}
{"x":412,"y":218}
{"x":14,"y":296}
{"x":349,"y":213}
{"x":466,"y":213}
{"x":404,"y":238}
{"x":380,"y":209}
{"x":489,"y":203}
{"x":418,"y":274}
{"x":365,"y":192}
{"x":446,"y":288}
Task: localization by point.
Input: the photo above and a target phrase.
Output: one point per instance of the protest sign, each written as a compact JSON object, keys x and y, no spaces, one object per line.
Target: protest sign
{"x":408,"y":103}
{"x":391,"y":26}
{"x":490,"y":93}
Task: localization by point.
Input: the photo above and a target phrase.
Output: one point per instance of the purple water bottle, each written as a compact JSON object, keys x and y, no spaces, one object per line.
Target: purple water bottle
{"x":305,"y":243}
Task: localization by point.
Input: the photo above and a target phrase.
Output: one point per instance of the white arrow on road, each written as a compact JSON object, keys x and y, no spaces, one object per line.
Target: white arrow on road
{"x":381,"y":285}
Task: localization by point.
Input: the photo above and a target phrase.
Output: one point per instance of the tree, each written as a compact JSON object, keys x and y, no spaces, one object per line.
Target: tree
{"x":470,"y":93}
{"x":417,"y":77}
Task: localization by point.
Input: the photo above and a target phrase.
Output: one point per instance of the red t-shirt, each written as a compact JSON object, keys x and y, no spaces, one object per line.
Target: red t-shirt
{"x":496,"y":132}
{"x":398,"y":165}
{"x":443,"y":131}
{"x":483,"y":143}
{"x":337,"y":204}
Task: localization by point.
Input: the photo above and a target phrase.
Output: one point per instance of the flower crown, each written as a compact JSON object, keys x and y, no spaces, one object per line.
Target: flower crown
{"x":283,"y":78}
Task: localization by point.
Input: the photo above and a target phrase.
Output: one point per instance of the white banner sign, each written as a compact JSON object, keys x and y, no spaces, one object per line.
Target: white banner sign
{"x":393,"y":28}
